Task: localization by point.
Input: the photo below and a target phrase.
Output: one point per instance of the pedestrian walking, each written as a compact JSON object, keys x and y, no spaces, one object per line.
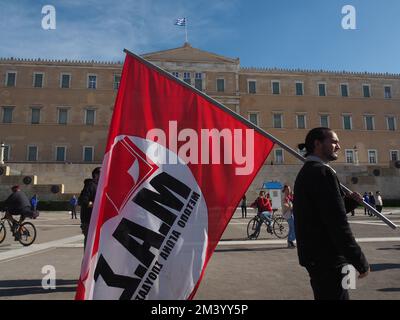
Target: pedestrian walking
{"x":86,"y":201}
{"x":287,"y":212}
{"x":325,"y":242}
{"x":243,"y":205}
{"x":379,"y":202}
{"x":372,"y":203}
{"x":366,"y":200}
{"x":34,"y":202}
{"x":73,"y":203}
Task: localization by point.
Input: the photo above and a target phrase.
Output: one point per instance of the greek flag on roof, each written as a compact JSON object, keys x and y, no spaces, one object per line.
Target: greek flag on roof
{"x":180,"y":22}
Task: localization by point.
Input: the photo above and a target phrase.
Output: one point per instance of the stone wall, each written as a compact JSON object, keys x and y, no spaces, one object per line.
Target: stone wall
{"x":70,"y":178}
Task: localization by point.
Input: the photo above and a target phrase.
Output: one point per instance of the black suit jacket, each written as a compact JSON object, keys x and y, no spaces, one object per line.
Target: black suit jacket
{"x":88,"y":194}
{"x":323,"y":235}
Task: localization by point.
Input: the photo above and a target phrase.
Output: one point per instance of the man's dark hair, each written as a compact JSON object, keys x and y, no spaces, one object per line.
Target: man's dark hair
{"x":96,"y":171}
{"x":313,"y":135}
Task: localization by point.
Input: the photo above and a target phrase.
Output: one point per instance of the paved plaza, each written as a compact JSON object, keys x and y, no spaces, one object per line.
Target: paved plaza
{"x":239,"y":269}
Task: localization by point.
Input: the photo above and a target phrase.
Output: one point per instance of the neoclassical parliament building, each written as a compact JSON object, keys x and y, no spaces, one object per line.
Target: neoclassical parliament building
{"x":55,"y":114}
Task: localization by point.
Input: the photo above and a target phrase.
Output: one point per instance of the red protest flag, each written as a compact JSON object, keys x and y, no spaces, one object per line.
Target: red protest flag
{"x":176,"y":165}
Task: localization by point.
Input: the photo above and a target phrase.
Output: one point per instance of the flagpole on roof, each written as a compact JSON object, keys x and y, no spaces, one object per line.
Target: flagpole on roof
{"x":251,"y":125}
{"x":186,"y":33}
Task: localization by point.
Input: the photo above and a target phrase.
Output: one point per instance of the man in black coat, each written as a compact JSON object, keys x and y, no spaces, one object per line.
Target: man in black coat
{"x":86,"y":201}
{"x":18,"y":203}
{"x":325,"y":242}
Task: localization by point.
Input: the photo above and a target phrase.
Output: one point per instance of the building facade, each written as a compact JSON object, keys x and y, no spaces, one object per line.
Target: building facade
{"x":58,"y":112}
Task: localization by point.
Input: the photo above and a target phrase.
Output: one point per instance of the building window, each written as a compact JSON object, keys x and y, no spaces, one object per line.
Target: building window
{"x":369,"y":122}
{"x":276,"y":87}
{"x":38,"y":79}
{"x":88,"y":153}
{"x":391,"y":123}
{"x":372,"y":157}
{"x":35,"y":116}
{"x":186,"y":77}
{"x":8,"y":114}
{"x":6,"y":152}
{"x":253,"y":117}
{"x":299,"y":89}
{"x":278,"y":155}
{"x":198,"y":81}
{"x":394,"y":155}
{"x":344,"y":89}
{"x":11,"y":79}
{"x":366,"y":90}
{"x":347,"y":122}
{"x":65,"y":80}
{"x":322,"y":89}
{"x":61,"y":153}
{"x":278,"y":120}
{"x":62,"y":116}
{"x":349,"y":156}
{"x":388,"y":92}
{"x":252,"y":86}
{"x":92,"y":81}
{"x":117,"y":81}
{"x":32,"y":153}
{"x":90,"y":116}
{"x":175,"y":74}
{"x":220,"y":85}
{"x":324,"y":120}
{"x":301,"y":121}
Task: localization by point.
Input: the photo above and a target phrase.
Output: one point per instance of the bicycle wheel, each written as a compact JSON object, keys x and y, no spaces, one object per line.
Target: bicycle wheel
{"x":2,"y":232}
{"x":27,"y":234}
{"x":252,"y":232}
{"x":281,"y":227}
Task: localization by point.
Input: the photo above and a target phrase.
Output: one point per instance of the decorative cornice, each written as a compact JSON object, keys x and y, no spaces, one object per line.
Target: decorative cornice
{"x":64,"y":61}
{"x":242,"y":69}
{"x":330,"y":72}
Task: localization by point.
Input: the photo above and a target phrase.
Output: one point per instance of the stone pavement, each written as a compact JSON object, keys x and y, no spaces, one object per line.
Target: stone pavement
{"x":239,"y":269}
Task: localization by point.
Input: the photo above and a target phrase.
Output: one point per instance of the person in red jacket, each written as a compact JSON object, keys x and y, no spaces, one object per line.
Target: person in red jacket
{"x":264,"y":211}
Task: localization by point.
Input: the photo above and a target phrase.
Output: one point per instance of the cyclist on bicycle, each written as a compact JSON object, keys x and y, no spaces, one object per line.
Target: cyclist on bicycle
{"x":18,"y":204}
{"x":264,"y":211}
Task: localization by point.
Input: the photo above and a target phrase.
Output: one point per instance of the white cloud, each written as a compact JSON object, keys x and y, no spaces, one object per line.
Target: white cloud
{"x":102,"y":29}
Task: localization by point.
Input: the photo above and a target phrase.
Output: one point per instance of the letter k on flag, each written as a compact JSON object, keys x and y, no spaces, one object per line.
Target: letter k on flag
{"x":176,"y":165}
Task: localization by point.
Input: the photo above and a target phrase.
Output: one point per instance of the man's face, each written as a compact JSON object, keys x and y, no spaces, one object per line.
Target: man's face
{"x":327,"y":149}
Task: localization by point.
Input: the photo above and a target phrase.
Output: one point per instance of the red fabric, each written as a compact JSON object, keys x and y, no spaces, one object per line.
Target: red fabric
{"x":149,"y":99}
{"x":263,"y":204}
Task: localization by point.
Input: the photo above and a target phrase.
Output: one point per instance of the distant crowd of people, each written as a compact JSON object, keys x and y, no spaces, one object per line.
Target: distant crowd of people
{"x":374,"y":201}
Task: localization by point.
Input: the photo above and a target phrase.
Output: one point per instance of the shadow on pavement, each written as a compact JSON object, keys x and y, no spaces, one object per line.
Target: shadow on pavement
{"x":389,"y":290}
{"x":395,"y":247}
{"x":9,"y":288}
{"x":384,"y":266}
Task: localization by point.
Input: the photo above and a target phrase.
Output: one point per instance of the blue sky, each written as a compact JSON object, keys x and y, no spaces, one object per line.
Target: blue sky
{"x":303,"y":34}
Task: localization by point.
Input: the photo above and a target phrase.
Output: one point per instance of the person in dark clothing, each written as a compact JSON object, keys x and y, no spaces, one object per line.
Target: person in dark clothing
{"x":18,"y":204}
{"x":325,"y":242}
{"x":243,"y":205}
{"x":366,"y":199}
{"x":372,"y":203}
{"x":86,"y":200}
{"x":73,"y":202}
